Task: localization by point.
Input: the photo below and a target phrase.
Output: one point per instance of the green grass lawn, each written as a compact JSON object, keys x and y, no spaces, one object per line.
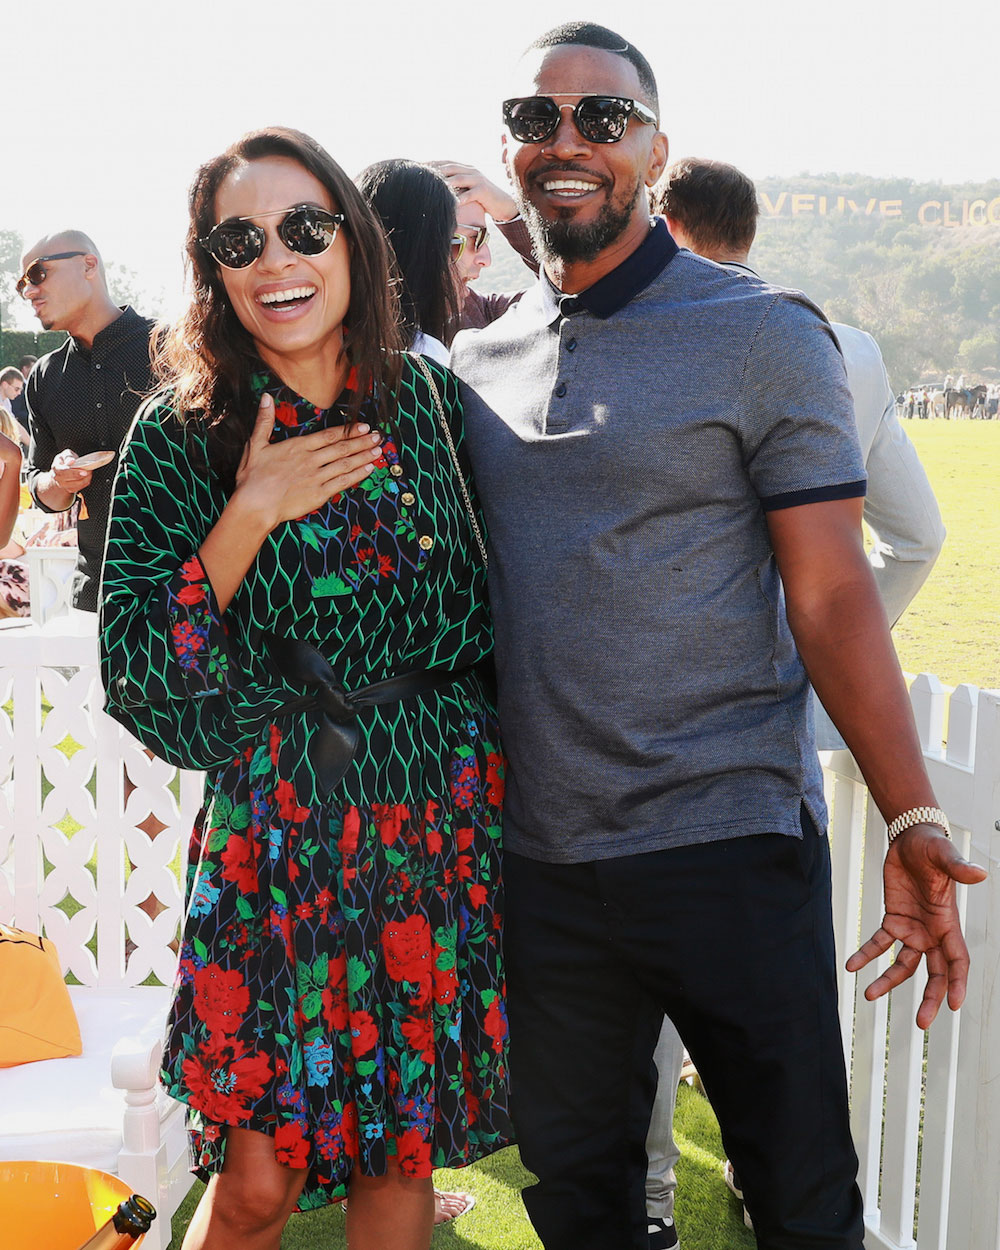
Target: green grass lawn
{"x":951,"y":628}
{"x":708,"y":1217}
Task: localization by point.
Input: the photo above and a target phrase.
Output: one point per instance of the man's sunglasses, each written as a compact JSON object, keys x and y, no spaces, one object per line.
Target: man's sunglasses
{"x":36,"y":273}
{"x":599,"y":118}
{"x":305,"y":229}
{"x":460,"y":242}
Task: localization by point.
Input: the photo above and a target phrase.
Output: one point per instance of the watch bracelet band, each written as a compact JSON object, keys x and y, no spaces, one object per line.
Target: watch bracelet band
{"x":918,"y":816}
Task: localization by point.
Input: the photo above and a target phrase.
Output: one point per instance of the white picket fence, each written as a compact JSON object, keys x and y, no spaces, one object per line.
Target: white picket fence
{"x":927,"y":1125}
{"x":926,"y":1112}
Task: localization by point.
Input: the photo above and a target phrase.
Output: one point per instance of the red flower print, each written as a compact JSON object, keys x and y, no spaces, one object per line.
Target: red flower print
{"x":413,"y":1153}
{"x":407,"y":948}
{"x":288,"y":804}
{"x":192,"y":570}
{"x":478,"y":895}
{"x":335,"y":1007}
{"x":349,"y":836}
{"x":273,"y":742}
{"x":386,"y":566}
{"x":495,"y":1023}
{"x":419,"y":1033}
{"x":223,"y":1079}
{"x":221,"y":998}
{"x":291,"y":1146}
{"x":349,"y":1129}
{"x":494,"y":779}
{"x":389,"y":820}
{"x":239,"y":862}
{"x":190,"y":594}
{"x":186,"y":638}
{"x":364,"y":1034}
{"x":335,"y":994}
{"x":463,"y":786}
{"x":464,"y":838}
{"x":324,"y":901}
{"x":284,"y":414}
{"x":445,"y":984}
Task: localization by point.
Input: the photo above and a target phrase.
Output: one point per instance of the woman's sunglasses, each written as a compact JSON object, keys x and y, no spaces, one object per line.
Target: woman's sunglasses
{"x":599,"y":118}
{"x":36,"y":273}
{"x":305,"y":229}
{"x":460,"y":242}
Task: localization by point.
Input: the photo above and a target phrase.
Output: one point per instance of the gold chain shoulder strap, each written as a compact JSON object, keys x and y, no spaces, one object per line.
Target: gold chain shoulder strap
{"x":446,"y":430}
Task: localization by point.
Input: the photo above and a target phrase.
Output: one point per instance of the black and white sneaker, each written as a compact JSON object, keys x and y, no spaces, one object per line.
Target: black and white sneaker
{"x":662,"y":1234}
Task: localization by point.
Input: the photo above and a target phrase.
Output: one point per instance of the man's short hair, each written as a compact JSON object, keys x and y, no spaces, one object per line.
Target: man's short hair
{"x":26,"y":362}
{"x":590,"y":35}
{"x":715,"y":203}
{"x":11,"y":374}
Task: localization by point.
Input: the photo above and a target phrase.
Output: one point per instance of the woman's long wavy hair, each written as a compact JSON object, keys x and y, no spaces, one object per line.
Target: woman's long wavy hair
{"x":208,"y":357}
{"x":417,"y":210}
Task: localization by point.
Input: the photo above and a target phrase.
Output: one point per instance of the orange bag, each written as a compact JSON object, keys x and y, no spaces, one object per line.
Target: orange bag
{"x":37,"y":1020}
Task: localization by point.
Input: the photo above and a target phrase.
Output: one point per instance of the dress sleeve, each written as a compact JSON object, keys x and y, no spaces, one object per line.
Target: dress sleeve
{"x":170,"y":662}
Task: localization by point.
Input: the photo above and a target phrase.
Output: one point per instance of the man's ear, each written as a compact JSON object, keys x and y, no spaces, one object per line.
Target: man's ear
{"x":659,"y":153}
{"x":91,"y":267}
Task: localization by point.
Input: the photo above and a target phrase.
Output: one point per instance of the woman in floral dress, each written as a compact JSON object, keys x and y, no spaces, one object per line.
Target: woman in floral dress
{"x":338,"y":1022}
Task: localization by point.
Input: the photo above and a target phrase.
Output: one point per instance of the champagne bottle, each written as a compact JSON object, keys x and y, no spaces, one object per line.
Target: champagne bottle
{"x":125,"y":1227}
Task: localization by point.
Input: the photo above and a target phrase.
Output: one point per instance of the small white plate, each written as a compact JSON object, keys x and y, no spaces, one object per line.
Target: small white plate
{"x":93,"y":460}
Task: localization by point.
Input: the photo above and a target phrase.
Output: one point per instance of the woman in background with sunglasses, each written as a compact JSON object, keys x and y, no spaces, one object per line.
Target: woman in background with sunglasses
{"x":338,"y":1022}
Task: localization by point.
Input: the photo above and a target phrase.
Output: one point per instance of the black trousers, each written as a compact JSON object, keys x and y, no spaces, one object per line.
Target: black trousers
{"x":734,"y":941}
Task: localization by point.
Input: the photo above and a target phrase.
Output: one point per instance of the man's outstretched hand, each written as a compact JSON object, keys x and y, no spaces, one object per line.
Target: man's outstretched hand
{"x":920,"y":872}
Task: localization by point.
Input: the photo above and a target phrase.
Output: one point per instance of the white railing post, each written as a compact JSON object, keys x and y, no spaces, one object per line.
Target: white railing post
{"x":974,"y":1216}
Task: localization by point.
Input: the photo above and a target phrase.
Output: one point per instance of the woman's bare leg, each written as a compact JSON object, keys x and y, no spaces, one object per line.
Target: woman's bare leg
{"x":248,"y":1203}
{"x":390,"y":1210}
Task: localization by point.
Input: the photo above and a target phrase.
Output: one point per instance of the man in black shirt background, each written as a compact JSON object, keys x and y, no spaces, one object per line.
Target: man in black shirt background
{"x":83,"y":396}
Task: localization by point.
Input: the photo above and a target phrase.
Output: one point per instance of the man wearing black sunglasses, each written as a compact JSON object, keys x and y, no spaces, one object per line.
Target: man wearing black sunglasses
{"x":670,"y":473}
{"x":83,"y":396}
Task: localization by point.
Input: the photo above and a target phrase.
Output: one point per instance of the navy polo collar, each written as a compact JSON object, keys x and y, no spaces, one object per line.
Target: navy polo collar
{"x":619,"y":287}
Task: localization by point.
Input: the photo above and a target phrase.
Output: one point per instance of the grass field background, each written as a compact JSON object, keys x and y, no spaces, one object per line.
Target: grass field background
{"x":952,"y":627}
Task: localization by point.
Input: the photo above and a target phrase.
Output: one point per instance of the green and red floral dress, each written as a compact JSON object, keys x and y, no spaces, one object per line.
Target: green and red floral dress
{"x":340,"y":985}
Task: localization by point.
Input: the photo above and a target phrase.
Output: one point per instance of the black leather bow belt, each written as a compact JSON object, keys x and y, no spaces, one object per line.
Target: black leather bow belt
{"x":338,"y":735}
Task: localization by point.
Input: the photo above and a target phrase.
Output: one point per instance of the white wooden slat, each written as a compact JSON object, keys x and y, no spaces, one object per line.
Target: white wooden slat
{"x":960,"y":748}
{"x":847,"y":815}
{"x":870,"y":1032}
{"x":982,"y":1182}
{"x":927,"y":697}
{"x":902,"y":1113}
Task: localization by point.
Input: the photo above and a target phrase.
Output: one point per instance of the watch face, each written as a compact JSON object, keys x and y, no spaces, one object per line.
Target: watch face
{"x":93,"y":460}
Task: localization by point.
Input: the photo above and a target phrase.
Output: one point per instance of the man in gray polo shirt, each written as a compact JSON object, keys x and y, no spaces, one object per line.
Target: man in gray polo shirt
{"x":673,"y":487}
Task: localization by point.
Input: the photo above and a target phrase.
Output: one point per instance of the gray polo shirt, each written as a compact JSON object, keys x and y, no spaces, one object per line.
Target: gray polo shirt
{"x":627,"y":444}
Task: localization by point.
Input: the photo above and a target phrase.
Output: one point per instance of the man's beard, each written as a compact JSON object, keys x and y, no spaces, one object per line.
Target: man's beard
{"x":565,"y":240}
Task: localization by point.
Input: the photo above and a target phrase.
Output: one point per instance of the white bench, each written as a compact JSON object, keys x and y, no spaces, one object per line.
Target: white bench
{"x":103,"y":1109}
